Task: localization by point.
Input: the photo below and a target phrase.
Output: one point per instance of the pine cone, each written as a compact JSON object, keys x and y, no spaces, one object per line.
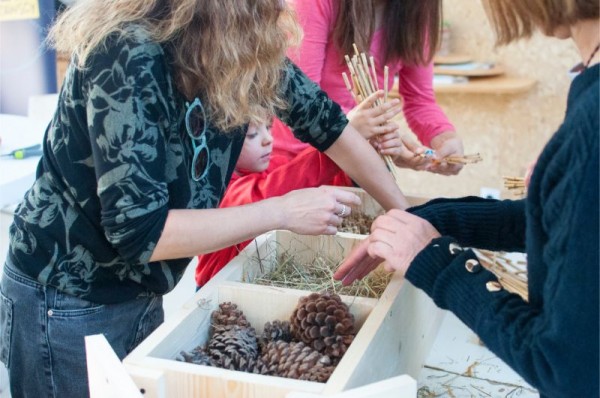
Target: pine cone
{"x":227,"y":315}
{"x":278,"y":330}
{"x":234,"y":348}
{"x":198,"y":355}
{"x":296,"y":360}
{"x":323,"y":321}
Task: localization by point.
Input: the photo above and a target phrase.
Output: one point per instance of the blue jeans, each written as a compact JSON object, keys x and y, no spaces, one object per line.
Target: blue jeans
{"x":42,"y":334}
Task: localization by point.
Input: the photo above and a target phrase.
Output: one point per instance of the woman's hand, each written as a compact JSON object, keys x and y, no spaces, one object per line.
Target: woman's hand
{"x":408,"y":157}
{"x":316,"y":211}
{"x":372,"y":121}
{"x":446,"y":144}
{"x":529,"y":172}
{"x":396,"y":238}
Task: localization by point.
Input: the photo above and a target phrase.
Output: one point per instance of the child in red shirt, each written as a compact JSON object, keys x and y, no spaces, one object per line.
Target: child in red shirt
{"x":258,"y":175}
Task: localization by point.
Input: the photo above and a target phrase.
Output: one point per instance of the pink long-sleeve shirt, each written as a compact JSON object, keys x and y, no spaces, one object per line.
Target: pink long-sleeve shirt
{"x":319,"y":58}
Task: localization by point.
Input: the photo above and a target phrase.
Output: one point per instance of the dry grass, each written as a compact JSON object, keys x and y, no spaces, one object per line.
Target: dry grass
{"x":316,"y":275}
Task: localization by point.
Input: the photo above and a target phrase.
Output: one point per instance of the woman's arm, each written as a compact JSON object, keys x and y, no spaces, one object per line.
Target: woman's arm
{"x":422,"y":113}
{"x":476,"y":222}
{"x":311,"y":211}
{"x":359,"y":160}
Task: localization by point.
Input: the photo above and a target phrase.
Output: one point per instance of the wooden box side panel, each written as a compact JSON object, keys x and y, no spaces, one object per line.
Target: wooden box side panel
{"x":184,"y":380}
{"x":260,"y":304}
{"x":263,"y":254}
{"x":265,"y":303}
{"x":394,"y":340}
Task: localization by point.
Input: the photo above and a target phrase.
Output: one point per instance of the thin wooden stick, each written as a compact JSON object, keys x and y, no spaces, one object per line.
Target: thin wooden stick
{"x":348,"y":85}
{"x":513,"y":279}
{"x":467,"y":159}
{"x":386,"y":73}
{"x":516,"y":185}
{"x":374,"y":72}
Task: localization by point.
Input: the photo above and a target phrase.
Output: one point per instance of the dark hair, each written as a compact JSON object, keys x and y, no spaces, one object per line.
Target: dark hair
{"x":412,"y":28}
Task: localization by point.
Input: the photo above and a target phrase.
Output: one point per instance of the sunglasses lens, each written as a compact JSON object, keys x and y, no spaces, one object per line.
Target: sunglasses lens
{"x":196,"y":121}
{"x":200,"y":163}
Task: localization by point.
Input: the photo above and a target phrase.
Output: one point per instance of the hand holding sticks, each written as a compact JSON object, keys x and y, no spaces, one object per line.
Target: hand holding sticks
{"x":364,"y":83}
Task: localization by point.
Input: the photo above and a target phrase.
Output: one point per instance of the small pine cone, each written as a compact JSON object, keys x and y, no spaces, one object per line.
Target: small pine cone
{"x":296,"y":360}
{"x":198,"y":355}
{"x":227,"y":315}
{"x":260,"y":368}
{"x":234,"y":348}
{"x":324,"y":322}
{"x":277,"y":330}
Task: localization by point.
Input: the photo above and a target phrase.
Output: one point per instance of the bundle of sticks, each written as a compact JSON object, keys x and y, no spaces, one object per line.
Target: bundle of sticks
{"x":516,"y":185}
{"x":512,"y":275}
{"x":364,"y":83}
{"x":466,"y":159}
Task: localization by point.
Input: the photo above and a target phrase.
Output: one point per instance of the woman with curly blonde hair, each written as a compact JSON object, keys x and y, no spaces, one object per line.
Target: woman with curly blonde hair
{"x":150,"y":123}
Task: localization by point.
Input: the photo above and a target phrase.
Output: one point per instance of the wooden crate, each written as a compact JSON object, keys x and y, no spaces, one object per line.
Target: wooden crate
{"x":396,"y":330}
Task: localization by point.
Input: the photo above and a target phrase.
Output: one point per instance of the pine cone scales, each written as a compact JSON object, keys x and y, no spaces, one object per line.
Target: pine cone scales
{"x":296,"y":360}
{"x":323,"y":321}
{"x":227,"y":315}
{"x":277,"y":330}
{"x":234,"y":348}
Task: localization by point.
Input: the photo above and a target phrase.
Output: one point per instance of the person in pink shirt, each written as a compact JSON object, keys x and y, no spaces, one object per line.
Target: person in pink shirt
{"x":400,"y":34}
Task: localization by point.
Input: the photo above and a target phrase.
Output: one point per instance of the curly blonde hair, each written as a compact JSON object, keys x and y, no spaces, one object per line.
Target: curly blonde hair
{"x":228,"y":53}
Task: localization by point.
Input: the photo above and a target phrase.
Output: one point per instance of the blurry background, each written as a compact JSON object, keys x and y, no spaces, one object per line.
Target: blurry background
{"x":508,"y":130}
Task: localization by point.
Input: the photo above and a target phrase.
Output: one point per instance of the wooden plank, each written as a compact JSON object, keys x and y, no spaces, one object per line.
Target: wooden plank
{"x":394,"y":340}
{"x":484,"y":85}
{"x":150,"y":382}
{"x":106,"y":374}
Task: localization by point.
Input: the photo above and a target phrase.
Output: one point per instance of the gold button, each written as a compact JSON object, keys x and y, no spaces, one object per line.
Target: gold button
{"x":454,"y":248}
{"x":472,"y":265}
{"x":493,"y":286}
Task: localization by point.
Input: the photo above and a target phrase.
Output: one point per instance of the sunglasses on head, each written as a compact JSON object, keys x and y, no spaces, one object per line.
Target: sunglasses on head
{"x":195,"y":125}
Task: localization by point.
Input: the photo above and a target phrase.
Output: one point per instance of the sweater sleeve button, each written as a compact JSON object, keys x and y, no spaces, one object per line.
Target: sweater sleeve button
{"x":454,"y":248}
{"x":493,"y":286}
{"x":472,"y":266}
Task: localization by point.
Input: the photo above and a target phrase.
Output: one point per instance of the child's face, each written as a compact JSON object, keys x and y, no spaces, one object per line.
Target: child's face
{"x":256,"y":152}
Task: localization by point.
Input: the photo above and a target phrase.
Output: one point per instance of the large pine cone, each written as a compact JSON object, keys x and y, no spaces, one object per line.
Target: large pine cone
{"x":234,"y":348}
{"x":275,"y":331}
{"x":295,"y":360}
{"x":226,"y":316}
{"x":323,"y":321}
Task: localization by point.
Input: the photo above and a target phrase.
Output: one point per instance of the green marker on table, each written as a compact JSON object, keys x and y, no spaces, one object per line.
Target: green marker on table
{"x":24,"y":153}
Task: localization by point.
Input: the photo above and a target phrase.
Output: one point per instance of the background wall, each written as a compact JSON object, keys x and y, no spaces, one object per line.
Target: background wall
{"x":507,"y":130}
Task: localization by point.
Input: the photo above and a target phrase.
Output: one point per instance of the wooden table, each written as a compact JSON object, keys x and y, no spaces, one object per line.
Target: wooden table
{"x":16,"y":176}
{"x":502,"y":84}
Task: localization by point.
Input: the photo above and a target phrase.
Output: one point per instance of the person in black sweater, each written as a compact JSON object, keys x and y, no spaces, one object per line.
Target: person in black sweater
{"x":552,"y":339}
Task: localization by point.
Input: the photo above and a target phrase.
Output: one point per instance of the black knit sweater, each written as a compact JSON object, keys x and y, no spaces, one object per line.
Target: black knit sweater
{"x":552,"y":340}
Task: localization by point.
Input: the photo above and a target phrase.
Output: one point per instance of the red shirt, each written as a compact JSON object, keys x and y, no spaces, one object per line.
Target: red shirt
{"x":310,"y":168}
